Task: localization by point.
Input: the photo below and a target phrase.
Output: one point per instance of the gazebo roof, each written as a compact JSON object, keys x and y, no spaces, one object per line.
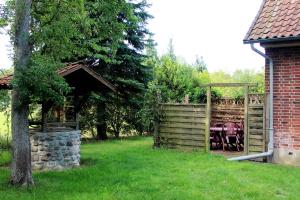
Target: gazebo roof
{"x":277,"y":20}
{"x":76,"y":74}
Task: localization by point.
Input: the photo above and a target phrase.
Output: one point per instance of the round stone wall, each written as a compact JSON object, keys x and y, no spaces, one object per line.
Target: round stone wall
{"x":55,"y":150}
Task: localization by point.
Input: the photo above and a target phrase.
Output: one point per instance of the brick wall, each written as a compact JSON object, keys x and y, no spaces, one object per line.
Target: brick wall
{"x":286,"y":96}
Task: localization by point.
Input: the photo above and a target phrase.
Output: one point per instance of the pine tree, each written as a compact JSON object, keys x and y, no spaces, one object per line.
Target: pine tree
{"x":129,"y":73}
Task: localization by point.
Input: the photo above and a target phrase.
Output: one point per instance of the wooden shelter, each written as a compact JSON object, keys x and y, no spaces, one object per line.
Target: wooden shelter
{"x":82,"y":80}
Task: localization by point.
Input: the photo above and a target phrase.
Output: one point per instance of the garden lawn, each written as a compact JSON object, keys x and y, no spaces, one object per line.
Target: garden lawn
{"x":131,"y":169}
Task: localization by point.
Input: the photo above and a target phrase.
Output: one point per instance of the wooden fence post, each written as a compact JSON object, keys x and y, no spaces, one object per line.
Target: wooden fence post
{"x":156,"y":120}
{"x":208,"y":118}
{"x":246,"y":126}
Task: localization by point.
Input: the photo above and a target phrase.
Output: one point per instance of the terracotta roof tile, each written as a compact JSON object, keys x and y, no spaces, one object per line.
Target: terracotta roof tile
{"x":276,"y":19}
{"x":5,"y":81}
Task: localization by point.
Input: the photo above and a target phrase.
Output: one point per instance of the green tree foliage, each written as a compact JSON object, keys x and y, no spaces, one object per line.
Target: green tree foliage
{"x":200,"y":64}
{"x":239,"y":76}
{"x":176,"y":79}
{"x":63,"y":31}
{"x":129,"y":72}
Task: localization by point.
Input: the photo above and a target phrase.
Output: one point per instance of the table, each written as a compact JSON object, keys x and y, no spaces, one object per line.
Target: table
{"x":219,"y":129}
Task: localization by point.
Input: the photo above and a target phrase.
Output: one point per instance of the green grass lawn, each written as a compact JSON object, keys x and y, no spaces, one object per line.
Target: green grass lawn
{"x":131,"y":169}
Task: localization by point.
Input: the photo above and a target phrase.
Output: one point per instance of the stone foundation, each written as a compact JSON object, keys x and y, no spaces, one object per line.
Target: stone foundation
{"x":287,"y":157}
{"x":55,"y":150}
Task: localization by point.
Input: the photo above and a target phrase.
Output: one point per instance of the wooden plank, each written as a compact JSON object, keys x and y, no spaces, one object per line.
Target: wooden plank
{"x":256,"y":131}
{"x":256,"y":137}
{"x":256,"y":112}
{"x":181,"y":104}
{"x":184,"y":148}
{"x":182,"y":131}
{"x":184,"y":142}
{"x":256,"y":106}
{"x":264,"y":126}
{"x":184,"y":114}
{"x":208,"y":119}
{"x":258,"y":149}
{"x":256,"y":125}
{"x":183,"y":136}
{"x":228,"y":109}
{"x":246,"y":133}
{"x":183,"y":108}
{"x":184,"y":120}
{"x":182,"y":125}
{"x":256,"y":119}
{"x":258,"y":143}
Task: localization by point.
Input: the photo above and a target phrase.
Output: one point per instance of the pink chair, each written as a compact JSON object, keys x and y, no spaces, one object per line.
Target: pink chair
{"x":215,"y":136}
{"x":230,"y":135}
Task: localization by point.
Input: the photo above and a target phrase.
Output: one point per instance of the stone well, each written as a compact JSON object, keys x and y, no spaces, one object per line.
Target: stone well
{"x":55,"y":150}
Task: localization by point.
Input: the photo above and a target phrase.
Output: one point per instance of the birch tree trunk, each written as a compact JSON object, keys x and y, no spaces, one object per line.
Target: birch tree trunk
{"x":21,"y":162}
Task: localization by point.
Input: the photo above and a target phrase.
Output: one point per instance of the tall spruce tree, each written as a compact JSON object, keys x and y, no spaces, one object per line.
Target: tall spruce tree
{"x":129,"y":73}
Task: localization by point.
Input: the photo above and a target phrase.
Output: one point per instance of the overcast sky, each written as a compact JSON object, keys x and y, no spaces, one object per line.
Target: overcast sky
{"x":211,"y":29}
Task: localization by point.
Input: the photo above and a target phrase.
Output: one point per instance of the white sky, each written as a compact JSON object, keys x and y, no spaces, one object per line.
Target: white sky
{"x":213,"y":29}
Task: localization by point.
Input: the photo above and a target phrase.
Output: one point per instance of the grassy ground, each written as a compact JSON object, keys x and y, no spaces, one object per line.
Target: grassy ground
{"x":4,"y":129}
{"x":5,"y":157}
{"x":131,"y":169}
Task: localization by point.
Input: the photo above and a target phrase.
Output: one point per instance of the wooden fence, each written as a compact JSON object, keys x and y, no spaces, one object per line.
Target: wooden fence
{"x":227,"y":110}
{"x":256,"y":118}
{"x":186,"y":126}
{"x":183,"y":126}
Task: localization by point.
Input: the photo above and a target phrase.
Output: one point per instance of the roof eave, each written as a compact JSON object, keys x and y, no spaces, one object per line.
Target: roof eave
{"x":272,"y":40}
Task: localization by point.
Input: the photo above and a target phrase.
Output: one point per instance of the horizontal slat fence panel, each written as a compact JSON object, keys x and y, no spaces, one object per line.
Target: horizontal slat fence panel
{"x":182,"y":126}
{"x":256,"y":129}
{"x":227,"y":110}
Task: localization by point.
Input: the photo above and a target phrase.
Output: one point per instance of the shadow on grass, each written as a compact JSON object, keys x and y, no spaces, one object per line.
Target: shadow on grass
{"x":5,"y":158}
{"x":113,"y":139}
{"x":87,"y":162}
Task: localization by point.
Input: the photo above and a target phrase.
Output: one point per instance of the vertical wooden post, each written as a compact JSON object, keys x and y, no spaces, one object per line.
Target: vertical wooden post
{"x":208,"y":118}
{"x":266,"y":125}
{"x":44,"y":117}
{"x":76,"y":109}
{"x":246,"y":127}
{"x":77,"y":120}
{"x":156,"y":120}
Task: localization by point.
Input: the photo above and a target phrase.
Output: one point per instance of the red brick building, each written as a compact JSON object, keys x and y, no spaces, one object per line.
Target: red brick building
{"x":277,"y":29}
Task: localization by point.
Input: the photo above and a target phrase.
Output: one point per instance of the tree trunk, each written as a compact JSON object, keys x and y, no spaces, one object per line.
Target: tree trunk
{"x":21,"y":162}
{"x":101,"y":122}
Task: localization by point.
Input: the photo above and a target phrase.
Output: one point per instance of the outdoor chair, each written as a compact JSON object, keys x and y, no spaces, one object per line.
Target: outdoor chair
{"x":240,"y":134}
{"x":230,"y":136}
{"x":215,"y":136}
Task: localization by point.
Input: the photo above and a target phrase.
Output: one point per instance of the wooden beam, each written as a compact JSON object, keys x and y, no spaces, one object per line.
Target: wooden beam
{"x":208,"y":118}
{"x":156,"y":135}
{"x":246,"y":127}
{"x":228,"y":85}
{"x":76,"y":109}
{"x":45,"y":109}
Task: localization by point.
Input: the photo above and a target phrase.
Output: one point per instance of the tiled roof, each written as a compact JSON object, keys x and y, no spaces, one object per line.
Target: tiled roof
{"x":276,"y":20}
{"x":68,"y":69}
{"x":5,"y":81}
